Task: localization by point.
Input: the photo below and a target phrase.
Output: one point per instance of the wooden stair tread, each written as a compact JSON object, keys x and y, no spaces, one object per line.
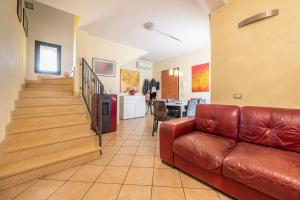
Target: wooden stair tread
{"x":13,"y":147}
{"x":42,"y":161}
{"x":41,"y":123}
{"x":41,"y":82}
{"x":47,"y":111}
{"x":46,"y":89}
{"x":48,"y":114}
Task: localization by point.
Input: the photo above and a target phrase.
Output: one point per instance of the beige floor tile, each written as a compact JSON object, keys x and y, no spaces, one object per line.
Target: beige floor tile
{"x":40,"y":190}
{"x":12,"y":192}
{"x":103,"y":160}
{"x":87,"y":173}
{"x":103,"y":191}
{"x":64,"y":175}
{"x":135,"y":192}
{"x":143,"y":161}
{"x":196,"y":194}
{"x":145,"y":151}
{"x":131,"y":143}
{"x":147,"y":143}
{"x":166,"y":177}
{"x":159,"y":164}
{"x":191,"y":182}
{"x":112,"y":174}
{"x":139,"y":176}
{"x":110,"y":150}
{"x":135,"y":137}
{"x":127,"y":151}
{"x":157,"y":151}
{"x":71,"y":190}
{"x":223,"y":196}
{"x":166,"y":193}
{"x":121,"y":160}
{"x":116,"y":142}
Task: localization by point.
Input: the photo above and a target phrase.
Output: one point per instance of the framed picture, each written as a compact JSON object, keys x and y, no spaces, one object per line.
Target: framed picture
{"x":104,"y":67}
{"x":25,"y":23}
{"x":200,"y":78}
{"x":129,"y":79}
{"x":19,"y":9}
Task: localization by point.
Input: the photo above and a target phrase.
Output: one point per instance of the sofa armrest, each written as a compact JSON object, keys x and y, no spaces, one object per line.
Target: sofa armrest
{"x":171,"y":130}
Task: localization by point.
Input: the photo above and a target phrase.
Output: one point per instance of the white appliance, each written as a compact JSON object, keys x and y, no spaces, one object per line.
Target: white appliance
{"x":144,"y":64}
{"x":132,"y":107}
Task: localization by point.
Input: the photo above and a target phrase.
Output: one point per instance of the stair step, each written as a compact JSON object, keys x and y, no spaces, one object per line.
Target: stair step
{"x":30,"y":112}
{"x":47,"y":93}
{"x":25,"y":170}
{"x":49,"y":86}
{"x":53,"y":81}
{"x":42,"y":134}
{"x":31,"y":149}
{"x":45,"y":89}
{"x":34,"y":124}
{"x":48,"y":101}
{"x":29,"y":144}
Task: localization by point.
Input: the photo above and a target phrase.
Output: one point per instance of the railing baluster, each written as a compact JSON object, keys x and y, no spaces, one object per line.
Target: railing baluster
{"x":92,"y":90}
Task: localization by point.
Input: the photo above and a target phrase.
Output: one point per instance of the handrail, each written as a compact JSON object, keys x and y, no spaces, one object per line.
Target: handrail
{"x":92,"y":91}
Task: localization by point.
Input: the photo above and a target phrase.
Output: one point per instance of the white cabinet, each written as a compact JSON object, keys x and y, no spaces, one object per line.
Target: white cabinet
{"x":132,"y":107}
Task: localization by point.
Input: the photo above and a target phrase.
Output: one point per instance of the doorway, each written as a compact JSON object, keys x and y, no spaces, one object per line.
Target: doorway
{"x":170,"y":84}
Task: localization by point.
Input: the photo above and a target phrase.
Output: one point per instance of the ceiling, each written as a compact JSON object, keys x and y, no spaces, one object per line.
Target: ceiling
{"x":122,"y":21}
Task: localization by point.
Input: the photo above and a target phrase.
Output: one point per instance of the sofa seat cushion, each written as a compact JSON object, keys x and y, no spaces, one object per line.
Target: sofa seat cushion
{"x":204,"y":150}
{"x":272,"y":171}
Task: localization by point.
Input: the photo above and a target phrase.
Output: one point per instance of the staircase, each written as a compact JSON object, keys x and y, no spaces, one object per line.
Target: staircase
{"x":49,"y":132}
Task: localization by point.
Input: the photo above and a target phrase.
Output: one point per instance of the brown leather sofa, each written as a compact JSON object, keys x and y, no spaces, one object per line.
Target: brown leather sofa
{"x":248,"y":153}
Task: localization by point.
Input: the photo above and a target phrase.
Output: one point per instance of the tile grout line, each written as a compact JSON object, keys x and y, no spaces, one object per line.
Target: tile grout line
{"x":26,"y":188}
{"x":65,"y":182}
{"x":93,"y":183}
{"x":126,"y":174}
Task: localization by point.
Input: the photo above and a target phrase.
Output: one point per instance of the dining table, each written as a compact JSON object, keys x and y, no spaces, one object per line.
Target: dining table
{"x":180,"y":106}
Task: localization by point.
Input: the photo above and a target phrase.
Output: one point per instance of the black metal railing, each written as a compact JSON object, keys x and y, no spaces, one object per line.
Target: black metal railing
{"x":92,"y":91}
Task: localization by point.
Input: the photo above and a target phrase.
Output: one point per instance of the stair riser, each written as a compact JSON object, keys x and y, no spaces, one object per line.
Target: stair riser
{"x":44,"y":150}
{"x":42,"y":123}
{"x":27,"y":112}
{"x":32,"y":102}
{"x":36,"y":93}
{"x":58,"y":81}
{"x":36,"y":135}
{"x":49,"y":86}
{"x":47,"y":170}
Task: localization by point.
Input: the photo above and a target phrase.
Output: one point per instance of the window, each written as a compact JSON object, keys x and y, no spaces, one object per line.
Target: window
{"x":47,"y":58}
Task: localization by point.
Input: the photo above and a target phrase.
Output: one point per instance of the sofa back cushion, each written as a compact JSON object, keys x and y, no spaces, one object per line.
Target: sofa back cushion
{"x":218,"y":119}
{"x":274,"y":127}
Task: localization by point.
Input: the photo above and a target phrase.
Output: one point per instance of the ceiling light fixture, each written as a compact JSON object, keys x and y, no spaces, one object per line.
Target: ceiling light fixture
{"x":151,"y":27}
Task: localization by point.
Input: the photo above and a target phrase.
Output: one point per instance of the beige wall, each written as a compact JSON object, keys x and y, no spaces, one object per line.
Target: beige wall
{"x":50,"y":25}
{"x":185,"y":63}
{"x":12,"y":60}
{"x":260,"y":61}
{"x":92,"y":47}
{"x":89,"y":47}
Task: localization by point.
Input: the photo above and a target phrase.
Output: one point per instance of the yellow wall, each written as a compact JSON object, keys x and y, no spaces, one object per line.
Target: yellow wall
{"x":184,"y":62}
{"x":12,"y":60}
{"x":260,"y":61}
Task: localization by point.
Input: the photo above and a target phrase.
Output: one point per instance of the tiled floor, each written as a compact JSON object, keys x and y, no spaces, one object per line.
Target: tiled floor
{"x":129,"y":169}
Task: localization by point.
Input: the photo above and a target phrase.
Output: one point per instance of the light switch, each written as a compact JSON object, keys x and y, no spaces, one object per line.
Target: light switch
{"x":237,"y":96}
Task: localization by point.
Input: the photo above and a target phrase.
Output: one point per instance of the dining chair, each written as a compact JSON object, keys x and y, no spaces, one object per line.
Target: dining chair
{"x":159,"y":114}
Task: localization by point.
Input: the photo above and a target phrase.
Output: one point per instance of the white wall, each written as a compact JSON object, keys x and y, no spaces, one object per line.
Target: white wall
{"x":50,"y":25}
{"x":12,"y":60}
{"x":90,"y":47}
{"x":184,"y":62}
